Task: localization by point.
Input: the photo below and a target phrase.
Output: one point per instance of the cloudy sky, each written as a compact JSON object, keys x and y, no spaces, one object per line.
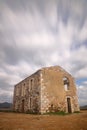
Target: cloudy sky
{"x":39,"y":33}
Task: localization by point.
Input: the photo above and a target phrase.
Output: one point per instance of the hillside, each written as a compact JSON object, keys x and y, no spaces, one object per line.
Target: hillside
{"x":5,"y":105}
{"x":83,"y":107}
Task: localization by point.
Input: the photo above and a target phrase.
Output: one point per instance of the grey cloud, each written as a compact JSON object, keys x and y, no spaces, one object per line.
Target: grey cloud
{"x":73,"y":10}
{"x":82,"y":95}
{"x":77,"y":65}
{"x":6,"y":98}
{"x":4,"y":85}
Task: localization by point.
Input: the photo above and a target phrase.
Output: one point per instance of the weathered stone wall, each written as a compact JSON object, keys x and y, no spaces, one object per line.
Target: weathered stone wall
{"x":27,"y":94}
{"x":53,"y":94}
{"x":46,"y":91}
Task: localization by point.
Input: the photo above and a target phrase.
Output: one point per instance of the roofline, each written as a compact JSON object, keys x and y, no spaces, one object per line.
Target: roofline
{"x":42,"y":70}
{"x":28,"y":77}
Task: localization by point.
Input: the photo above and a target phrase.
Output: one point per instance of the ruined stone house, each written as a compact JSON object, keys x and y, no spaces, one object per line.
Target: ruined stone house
{"x":50,"y":89}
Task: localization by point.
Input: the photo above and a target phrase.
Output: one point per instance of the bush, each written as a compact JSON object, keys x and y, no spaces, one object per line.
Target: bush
{"x":77,"y":112}
{"x":56,"y":113}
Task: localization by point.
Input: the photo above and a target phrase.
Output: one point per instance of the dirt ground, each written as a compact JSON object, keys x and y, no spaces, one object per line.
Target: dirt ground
{"x":16,"y":121}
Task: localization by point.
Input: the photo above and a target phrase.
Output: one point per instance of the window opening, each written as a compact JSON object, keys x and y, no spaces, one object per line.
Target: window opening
{"x":66,"y":83}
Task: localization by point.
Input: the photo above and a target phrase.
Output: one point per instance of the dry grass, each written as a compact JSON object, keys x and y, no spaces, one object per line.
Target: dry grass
{"x":16,"y":121}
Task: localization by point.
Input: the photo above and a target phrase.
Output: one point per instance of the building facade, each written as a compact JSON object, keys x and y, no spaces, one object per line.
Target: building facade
{"x":50,"y":89}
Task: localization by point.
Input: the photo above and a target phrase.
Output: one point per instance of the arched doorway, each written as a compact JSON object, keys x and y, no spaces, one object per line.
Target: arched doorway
{"x":69,"y":105}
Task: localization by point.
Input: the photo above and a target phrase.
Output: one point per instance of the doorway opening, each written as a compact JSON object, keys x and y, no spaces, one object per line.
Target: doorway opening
{"x":69,"y":105}
{"x":23,"y":105}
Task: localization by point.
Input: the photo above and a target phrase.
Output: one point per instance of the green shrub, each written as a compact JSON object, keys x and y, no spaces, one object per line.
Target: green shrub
{"x":56,"y":113}
{"x":77,"y":112}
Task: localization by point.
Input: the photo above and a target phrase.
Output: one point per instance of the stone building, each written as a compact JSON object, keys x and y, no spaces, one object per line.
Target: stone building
{"x":50,"y":89}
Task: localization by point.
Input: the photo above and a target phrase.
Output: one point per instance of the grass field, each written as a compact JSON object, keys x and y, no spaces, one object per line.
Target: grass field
{"x":18,"y":121}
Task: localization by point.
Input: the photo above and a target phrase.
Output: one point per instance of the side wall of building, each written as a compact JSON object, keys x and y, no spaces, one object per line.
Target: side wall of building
{"x":54,"y":96}
{"x":27,"y":94}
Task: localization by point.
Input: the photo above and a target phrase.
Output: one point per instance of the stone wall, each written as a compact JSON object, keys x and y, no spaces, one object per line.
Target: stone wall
{"x":27,"y":94}
{"x":53,"y":94}
{"x":48,"y":90}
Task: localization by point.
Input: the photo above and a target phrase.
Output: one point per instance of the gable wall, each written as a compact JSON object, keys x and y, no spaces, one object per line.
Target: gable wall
{"x":53,"y":94}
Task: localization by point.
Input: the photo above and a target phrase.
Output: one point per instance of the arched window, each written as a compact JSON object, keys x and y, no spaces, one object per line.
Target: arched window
{"x":66,"y":83}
